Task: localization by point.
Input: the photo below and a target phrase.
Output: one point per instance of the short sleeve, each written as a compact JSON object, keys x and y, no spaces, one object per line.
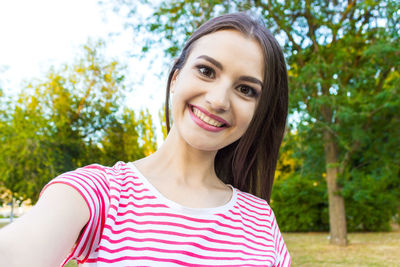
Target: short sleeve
{"x":282,"y":254}
{"x":92,"y":183}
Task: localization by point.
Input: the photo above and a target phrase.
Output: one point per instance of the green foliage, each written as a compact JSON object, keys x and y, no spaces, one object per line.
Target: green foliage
{"x":161,"y":116}
{"x":371,"y":193}
{"x":299,"y":196}
{"x":370,"y":190}
{"x":146,"y":128}
{"x":121,"y":140}
{"x":70,"y":118}
{"x":300,"y":204}
{"x":26,"y":154}
{"x":371,"y":202}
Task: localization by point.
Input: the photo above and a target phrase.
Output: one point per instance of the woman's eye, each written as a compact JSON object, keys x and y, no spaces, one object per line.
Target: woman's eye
{"x":206,"y":71}
{"x":247,"y":91}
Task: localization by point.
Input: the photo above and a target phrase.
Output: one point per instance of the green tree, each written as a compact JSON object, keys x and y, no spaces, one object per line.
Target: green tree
{"x":72,"y":117}
{"x":80,"y":101}
{"x":5,"y":195}
{"x":341,"y":79}
{"x":121,"y":140}
{"x":161,"y":117}
{"x":26,"y":154}
{"x":147,"y":130}
{"x":343,"y":61}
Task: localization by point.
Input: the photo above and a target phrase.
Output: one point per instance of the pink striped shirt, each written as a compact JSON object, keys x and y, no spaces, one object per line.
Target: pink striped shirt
{"x":132,"y":224}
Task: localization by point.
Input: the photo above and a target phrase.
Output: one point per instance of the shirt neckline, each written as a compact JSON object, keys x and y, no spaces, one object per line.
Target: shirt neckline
{"x":180,"y":208}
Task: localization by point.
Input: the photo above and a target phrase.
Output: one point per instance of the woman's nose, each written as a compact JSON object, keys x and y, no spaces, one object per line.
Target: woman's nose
{"x":218,"y":97}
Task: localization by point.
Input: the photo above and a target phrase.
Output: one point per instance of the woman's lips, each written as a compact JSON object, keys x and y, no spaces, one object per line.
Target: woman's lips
{"x":206,"y":120}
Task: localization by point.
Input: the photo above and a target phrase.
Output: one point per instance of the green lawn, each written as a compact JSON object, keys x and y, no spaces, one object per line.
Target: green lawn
{"x":364,"y":249}
{"x":71,"y":264}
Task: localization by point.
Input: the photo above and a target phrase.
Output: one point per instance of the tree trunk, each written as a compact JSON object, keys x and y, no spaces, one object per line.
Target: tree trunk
{"x":337,"y":215}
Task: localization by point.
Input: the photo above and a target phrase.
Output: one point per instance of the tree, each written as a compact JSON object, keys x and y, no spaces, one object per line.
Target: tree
{"x":26,"y":154}
{"x":72,"y":117}
{"x":343,"y":61}
{"x":5,"y":195}
{"x":161,"y":117}
{"x":287,"y":163}
{"x":121,"y":140}
{"x":146,"y":127}
{"x":341,"y":66}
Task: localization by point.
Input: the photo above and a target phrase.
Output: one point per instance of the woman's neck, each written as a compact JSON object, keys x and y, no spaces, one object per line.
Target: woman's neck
{"x":178,"y":161}
{"x":185,"y":175}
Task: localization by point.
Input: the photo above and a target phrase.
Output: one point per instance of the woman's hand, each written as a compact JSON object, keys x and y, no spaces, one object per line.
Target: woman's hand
{"x":46,"y":234}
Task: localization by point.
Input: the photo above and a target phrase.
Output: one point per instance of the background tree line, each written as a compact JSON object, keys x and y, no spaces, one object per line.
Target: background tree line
{"x":73,"y":117}
{"x":339,"y":166}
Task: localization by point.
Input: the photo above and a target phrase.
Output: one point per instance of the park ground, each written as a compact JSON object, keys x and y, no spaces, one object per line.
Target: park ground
{"x":364,"y":250}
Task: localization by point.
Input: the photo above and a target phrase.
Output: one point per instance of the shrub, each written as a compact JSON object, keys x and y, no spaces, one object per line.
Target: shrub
{"x":371,"y":202}
{"x":301,"y":204}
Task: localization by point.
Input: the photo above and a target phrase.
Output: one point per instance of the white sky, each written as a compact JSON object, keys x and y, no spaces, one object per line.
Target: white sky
{"x":35,"y":35}
{"x":41,"y":33}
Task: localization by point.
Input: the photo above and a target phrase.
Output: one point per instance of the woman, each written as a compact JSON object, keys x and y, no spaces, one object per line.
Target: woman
{"x":188,"y":203}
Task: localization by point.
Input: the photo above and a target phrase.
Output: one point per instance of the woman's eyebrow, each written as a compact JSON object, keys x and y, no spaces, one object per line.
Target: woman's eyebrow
{"x":251,"y":79}
{"x":212,"y":61}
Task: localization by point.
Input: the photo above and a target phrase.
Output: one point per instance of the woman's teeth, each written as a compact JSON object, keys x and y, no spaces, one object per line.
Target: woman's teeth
{"x":206,"y":119}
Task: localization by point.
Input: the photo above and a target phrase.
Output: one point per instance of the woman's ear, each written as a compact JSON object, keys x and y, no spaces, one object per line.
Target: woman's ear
{"x":174,"y":80}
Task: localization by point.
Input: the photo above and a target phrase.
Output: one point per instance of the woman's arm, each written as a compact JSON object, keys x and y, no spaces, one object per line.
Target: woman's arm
{"x":45,"y":235}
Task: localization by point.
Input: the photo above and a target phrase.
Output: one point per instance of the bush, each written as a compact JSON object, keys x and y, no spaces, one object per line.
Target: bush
{"x":371,"y":202}
{"x":301,"y":204}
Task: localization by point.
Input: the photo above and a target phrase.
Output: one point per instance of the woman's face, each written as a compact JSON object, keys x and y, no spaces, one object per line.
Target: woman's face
{"x":216,"y":92}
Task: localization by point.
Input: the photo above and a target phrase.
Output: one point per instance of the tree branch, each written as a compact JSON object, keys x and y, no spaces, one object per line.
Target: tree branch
{"x":366,"y":18}
{"x":382,"y":79}
{"x":347,"y":156}
{"x":345,"y":13}
{"x":283,"y":27}
{"x":83,"y":99}
{"x":311,"y":26}
{"x":357,"y":143}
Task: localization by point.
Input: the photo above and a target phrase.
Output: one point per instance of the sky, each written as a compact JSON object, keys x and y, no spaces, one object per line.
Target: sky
{"x":36,"y":35}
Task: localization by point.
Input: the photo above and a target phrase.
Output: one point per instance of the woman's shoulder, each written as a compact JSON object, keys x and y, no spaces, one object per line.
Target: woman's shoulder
{"x":96,"y":169}
{"x":99,"y":168}
{"x":253,"y":204}
{"x":251,"y":199}
{"x":91,"y":177}
{"x":115,"y":176}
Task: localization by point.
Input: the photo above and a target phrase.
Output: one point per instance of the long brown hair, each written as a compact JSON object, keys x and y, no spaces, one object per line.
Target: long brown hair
{"x":249,"y":163}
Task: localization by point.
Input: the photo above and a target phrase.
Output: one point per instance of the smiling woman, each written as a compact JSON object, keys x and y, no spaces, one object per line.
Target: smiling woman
{"x":219,"y":87}
{"x":192,"y":202}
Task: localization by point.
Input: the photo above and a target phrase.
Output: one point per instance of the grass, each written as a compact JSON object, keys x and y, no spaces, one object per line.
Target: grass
{"x":364,"y":250}
{"x":71,"y":264}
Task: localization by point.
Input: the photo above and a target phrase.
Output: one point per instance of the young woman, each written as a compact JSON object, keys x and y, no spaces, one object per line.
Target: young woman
{"x":189,"y":203}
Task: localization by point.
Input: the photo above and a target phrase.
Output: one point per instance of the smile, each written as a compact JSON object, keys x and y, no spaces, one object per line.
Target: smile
{"x":206,"y":120}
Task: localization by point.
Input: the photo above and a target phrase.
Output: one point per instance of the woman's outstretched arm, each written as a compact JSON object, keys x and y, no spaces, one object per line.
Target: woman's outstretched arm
{"x":45,"y":235}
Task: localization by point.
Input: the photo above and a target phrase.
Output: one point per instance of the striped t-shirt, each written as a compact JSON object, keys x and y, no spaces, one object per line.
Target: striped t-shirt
{"x":132,"y":224}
